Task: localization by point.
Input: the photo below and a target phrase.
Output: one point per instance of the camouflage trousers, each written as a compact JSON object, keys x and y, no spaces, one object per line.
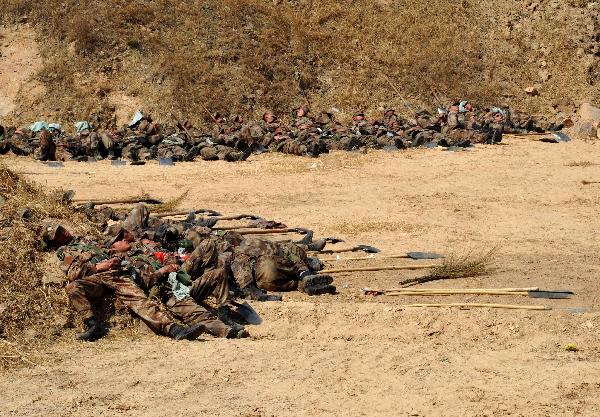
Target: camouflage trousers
{"x":82,"y":292}
{"x":190,"y":310}
{"x":272,"y":271}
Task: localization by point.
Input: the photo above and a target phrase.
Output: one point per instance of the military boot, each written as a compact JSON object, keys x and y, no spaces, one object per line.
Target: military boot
{"x":192,"y":332}
{"x":253,"y":293}
{"x":317,"y":245}
{"x":237,"y":331}
{"x":319,"y":290}
{"x":316,"y":280}
{"x":316,"y":284}
{"x":94,"y":330}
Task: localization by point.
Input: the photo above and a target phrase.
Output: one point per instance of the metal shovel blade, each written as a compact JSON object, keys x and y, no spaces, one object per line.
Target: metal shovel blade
{"x":248,"y":313}
{"x":550,"y":294}
{"x":333,"y":240}
{"x":365,"y":248}
{"x":556,"y":137}
{"x":151,"y":201}
{"x":424,"y":255}
{"x":209,"y":212}
{"x":166,"y":162}
{"x":561,"y":137}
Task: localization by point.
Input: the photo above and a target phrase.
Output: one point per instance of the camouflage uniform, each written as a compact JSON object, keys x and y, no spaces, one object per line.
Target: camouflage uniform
{"x":271,"y":266}
{"x":47,"y":146}
{"x":21,"y":144}
{"x":187,"y":309}
{"x":86,"y":285}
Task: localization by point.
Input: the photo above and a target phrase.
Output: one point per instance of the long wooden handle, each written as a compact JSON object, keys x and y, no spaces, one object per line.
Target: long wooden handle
{"x":183,"y":213}
{"x":234,"y":227}
{"x":328,"y":251}
{"x":118,"y":201}
{"x":266,"y":231}
{"x":448,"y":293}
{"x":528,"y":134}
{"x":237,"y":217}
{"x":465,"y":290}
{"x":482,"y":305}
{"x":361,"y":258}
{"x":376,"y":268}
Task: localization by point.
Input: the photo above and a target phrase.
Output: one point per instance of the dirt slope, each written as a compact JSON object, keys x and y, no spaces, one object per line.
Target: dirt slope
{"x":20,"y":61}
{"x":250,"y":55}
{"x":347,"y":354}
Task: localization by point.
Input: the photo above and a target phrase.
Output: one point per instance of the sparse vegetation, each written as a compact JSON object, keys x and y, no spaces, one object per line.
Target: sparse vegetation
{"x":245,"y":56}
{"x":583,"y":164}
{"x":455,"y":266}
{"x":170,"y":205}
{"x":29,"y":310}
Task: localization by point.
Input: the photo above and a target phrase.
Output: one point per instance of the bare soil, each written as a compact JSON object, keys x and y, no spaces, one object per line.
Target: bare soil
{"x":20,"y":61}
{"x":246,"y":56}
{"x":350,"y":354}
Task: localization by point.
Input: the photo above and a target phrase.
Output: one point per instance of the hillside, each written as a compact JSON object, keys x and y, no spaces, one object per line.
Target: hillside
{"x":108,"y":57}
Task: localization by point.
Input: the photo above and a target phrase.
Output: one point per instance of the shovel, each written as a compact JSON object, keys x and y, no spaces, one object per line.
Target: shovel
{"x":408,"y":255}
{"x":186,"y":212}
{"x":357,"y":248}
{"x":270,"y":231}
{"x":533,"y":292}
{"x":480,"y":305}
{"x":556,"y":137}
{"x":247,"y":312}
{"x":135,"y":200}
{"x":548,"y":137}
{"x":237,"y":217}
{"x":259,"y":223}
{"x":376,"y":268}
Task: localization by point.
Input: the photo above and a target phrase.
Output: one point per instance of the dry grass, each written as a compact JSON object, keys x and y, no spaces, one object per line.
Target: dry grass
{"x":31,"y":313}
{"x":170,"y":205}
{"x":583,"y":164}
{"x":351,"y":228}
{"x":244,"y":56}
{"x":455,"y":266}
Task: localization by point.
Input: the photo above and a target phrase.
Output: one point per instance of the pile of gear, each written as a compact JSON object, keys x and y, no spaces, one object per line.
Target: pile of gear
{"x":182,"y":278}
{"x":301,"y":134}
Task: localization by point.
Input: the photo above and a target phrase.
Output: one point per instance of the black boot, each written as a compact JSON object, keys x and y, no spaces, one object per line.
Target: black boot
{"x":319,"y":290}
{"x":94,"y":330}
{"x":43,"y":155}
{"x":316,"y":280}
{"x":317,"y":245}
{"x":316,"y":285}
{"x":178,"y":332}
{"x":237,"y":332}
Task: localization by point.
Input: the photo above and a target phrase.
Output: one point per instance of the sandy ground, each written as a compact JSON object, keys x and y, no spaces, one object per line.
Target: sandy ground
{"x":20,"y":60}
{"x":350,"y":354}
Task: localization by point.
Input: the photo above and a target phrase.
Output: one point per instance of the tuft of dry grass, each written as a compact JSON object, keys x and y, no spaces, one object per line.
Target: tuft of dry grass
{"x":456,"y":266}
{"x":583,"y":164}
{"x":31,"y":312}
{"x":170,"y":205}
{"x":365,"y":226}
